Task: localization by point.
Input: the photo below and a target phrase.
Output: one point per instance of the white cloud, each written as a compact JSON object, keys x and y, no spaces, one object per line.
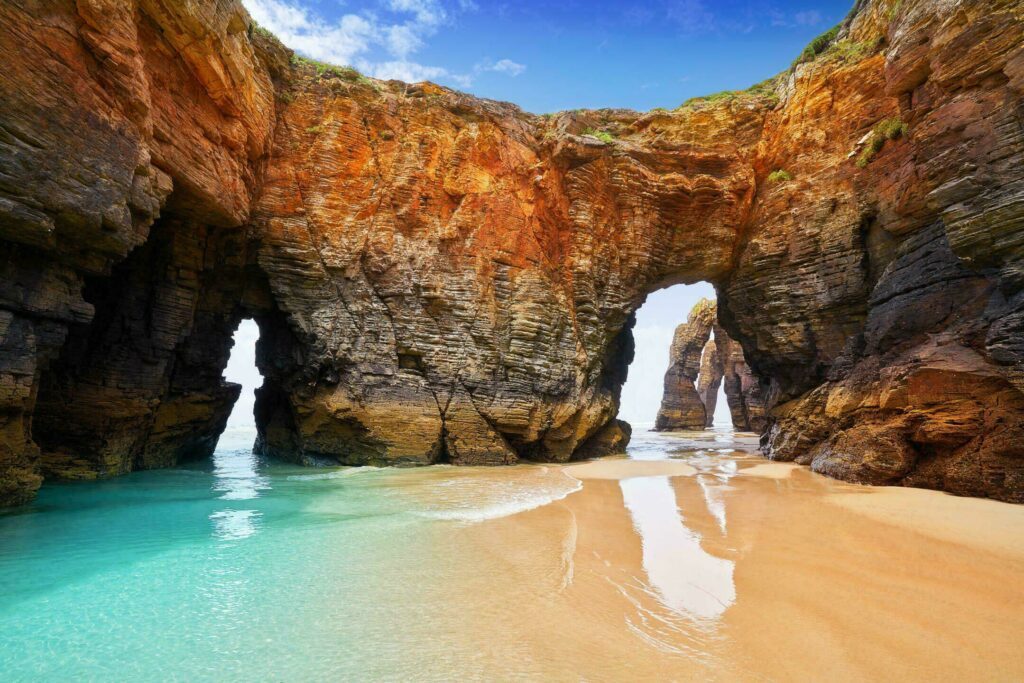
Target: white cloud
{"x":353,"y":38}
{"x":504,"y":66}
{"x":308,"y":34}
{"x":403,"y":40}
{"x":691,"y":15}
{"x":426,"y":12}
{"x":808,"y":18}
{"x":410,"y":72}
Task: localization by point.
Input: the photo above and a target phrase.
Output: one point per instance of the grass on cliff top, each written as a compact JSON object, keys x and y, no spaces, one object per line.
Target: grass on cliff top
{"x":818,"y":45}
{"x":765,"y":90}
{"x":888,"y":129}
{"x":829,"y":45}
{"x":325,"y":70}
{"x":256,"y":30}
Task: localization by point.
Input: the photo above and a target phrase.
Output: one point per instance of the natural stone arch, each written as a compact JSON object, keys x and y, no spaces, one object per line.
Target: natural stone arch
{"x":468,"y":272}
{"x":468,"y":275}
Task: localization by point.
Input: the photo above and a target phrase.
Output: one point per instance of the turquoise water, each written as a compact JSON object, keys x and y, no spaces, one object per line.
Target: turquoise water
{"x":243,"y":569}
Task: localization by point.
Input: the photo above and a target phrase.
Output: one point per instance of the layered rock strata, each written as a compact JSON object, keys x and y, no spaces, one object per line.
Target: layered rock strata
{"x":710,"y":380}
{"x":116,"y":115}
{"x":698,"y":364}
{"x":893,"y":346}
{"x":744,"y":392}
{"x":442,"y":278}
{"x":682,"y":404}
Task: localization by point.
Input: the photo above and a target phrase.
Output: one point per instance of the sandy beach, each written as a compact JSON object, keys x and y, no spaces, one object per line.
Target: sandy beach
{"x":724,"y":567}
{"x":690,"y":559}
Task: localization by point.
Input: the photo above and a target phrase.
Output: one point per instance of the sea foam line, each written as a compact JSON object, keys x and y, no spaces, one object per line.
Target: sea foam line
{"x":503,"y":509}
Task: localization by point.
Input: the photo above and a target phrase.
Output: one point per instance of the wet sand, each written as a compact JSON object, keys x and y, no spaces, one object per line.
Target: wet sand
{"x":690,"y":560}
{"x":719,"y":566}
{"x":625,"y":468}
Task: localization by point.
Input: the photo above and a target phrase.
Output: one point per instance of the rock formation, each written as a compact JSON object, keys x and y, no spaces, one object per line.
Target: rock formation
{"x":743,"y":391}
{"x":698,"y":363}
{"x":442,"y":278}
{"x":682,"y":405}
{"x":709,"y":380}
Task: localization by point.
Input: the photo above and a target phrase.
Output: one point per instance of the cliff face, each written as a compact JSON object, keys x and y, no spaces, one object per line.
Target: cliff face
{"x":698,"y":364}
{"x":441,"y":278}
{"x":460,"y":276}
{"x":116,"y":116}
{"x":884,"y":299}
{"x":683,"y":404}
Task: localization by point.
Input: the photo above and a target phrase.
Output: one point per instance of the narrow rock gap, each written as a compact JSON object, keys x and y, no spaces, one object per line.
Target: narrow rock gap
{"x":242,"y":369}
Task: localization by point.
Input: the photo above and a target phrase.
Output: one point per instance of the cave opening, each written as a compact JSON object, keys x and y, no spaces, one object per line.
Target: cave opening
{"x":236,"y":470}
{"x":656,"y":321}
{"x":139,"y":384}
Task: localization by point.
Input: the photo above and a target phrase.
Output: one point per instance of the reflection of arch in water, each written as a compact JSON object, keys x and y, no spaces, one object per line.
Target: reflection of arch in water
{"x":689,"y":580}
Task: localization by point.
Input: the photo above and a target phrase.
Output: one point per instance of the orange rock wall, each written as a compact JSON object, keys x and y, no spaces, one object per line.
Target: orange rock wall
{"x":442,"y":278}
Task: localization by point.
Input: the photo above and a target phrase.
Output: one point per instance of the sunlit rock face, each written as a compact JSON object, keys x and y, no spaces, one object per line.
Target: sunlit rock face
{"x":683,"y":404}
{"x":744,"y":392}
{"x":698,"y":364}
{"x":461,"y":276}
{"x":883,"y":301}
{"x":442,"y":278}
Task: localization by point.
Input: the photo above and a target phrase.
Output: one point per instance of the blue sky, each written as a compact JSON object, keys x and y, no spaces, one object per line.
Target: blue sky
{"x":549,"y":56}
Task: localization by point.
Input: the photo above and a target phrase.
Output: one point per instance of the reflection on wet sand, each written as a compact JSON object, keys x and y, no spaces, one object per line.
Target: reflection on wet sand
{"x":715,"y":574}
{"x":689,"y":580}
{"x":691,"y":560}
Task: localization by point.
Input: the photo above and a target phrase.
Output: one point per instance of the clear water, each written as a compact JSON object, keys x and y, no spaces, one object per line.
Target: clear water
{"x":243,"y":569}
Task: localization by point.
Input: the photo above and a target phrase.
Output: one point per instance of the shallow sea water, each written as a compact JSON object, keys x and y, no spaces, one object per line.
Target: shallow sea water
{"x":725,"y":567}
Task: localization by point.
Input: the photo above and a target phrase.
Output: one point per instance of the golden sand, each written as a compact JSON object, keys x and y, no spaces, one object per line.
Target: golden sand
{"x":771,"y":470}
{"x":624,"y":468}
{"x":708,"y":569}
{"x":983,"y":524}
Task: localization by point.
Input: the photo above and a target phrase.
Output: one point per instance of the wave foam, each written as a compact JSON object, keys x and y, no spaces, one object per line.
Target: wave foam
{"x":334,"y":474}
{"x":477,"y":501}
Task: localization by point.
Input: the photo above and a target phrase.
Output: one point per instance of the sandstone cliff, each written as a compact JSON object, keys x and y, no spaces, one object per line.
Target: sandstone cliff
{"x":698,"y":364}
{"x":442,"y":278}
{"x":682,"y":405}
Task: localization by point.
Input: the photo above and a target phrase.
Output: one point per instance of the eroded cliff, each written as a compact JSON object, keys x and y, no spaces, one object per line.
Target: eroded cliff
{"x":702,"y":356}
{"x":442,"y":278}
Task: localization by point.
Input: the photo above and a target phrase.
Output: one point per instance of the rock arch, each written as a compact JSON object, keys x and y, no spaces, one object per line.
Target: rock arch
{"x":439,"y":277}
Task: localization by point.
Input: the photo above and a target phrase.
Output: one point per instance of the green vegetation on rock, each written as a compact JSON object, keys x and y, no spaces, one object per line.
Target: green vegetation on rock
{"x":849,"y":51}
{"x":817,"y":46}
{"x":765,"y":90}
{"x":256,"y":29}
{"x":325,"y":70}
{"x":779,"y":176}
{"x":602,"y":135}
{"x":723,"y":96}
{"x":887,"y":129}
